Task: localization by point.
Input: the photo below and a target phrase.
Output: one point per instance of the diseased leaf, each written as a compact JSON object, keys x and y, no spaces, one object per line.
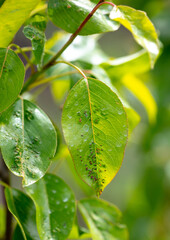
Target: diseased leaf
{"x":103,"y":220}
{"x":140,"y":90}
{"x":27,"y":140}
{"x":37,"y":38}
{"x":23,"y":209}
{"x":138,"y":23}
{"x":132,"y":116}
{"x":38,"y":21}
{"x":95,"y":129}
{"x":12,"y":15}
{"x":69,"y":14}
{"x":11,"y":77}
{"x":55,"y":207}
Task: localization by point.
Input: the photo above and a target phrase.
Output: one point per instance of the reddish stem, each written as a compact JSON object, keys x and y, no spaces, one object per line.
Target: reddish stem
{"x":71,"y":39}
{"x":74,"y":35}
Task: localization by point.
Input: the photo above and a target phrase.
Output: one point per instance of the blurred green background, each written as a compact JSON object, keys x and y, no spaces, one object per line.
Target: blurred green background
{"x":141,"y":188}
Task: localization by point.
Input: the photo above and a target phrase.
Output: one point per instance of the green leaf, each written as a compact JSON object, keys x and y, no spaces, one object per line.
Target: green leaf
{"x":1,"y":2}
{"x":132,"y":116}
{"x":142,"y":29}
{"x":103,"y":220}
{"x":12,"y":15}
{"x":11,"y":77}
{"x":55,"y":207}
{"x":79,"y":233}
{"x":95,"y":129}
{"x":38,"y":21}
{"x":23,"y":209}
{"x":27,"y":140}
{"x":17,"y":235}
{"x":140,"y":90}
{"x":69,"y":14}
{"x":37,"y":38}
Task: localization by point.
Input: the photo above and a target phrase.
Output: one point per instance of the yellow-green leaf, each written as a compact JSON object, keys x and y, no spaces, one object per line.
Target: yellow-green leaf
{"x":59,"y":89}
{"x":139,"y":89}
{"x":95,"y":128}
{"x":138,"y":23}
{"x":12,"y":15}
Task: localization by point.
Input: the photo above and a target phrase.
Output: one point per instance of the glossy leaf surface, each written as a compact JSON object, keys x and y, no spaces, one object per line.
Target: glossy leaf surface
{"x":37,"y":38}
{"x":68,"y":15}
{"x":27,"y":140}
{"x":95,"y":129}
{"x":17,"y":235}
{"x":23,"y":209}
{"x":12,"y":15}
{"x":103,"y":220}
{"x":141,"y":28}
{"x":132,"y":116}
{"x":11,"y":77}
{"x":55,"y":207}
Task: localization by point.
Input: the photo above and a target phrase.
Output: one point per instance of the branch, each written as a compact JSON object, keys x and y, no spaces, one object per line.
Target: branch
{"x":58,"y":54}
{"x":74,"y":35}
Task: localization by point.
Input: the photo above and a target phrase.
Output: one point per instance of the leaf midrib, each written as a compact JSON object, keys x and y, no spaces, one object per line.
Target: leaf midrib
{"x":88,"y":90}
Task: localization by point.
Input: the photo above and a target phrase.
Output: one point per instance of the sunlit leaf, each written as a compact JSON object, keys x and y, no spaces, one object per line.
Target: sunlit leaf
{"x":139,"y":89}
{"x":12,"y":15}
{"x":141,"y":28}
{"x":95,"y":129}
{"x":55,"y":207}
{"x":136,"y":63}
{"x":79,"y":233}
{"x":69,"y":14}
{"x":27,"y":140}
{"x":78,"y":50}
{"x":11,"y":77}
{"x":23,"y":209}
{"x":103,"y":220}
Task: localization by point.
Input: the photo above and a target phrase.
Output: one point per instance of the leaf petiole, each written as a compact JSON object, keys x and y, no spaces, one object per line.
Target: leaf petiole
{"x":24,"y":55}
{"x":4,"y":184}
